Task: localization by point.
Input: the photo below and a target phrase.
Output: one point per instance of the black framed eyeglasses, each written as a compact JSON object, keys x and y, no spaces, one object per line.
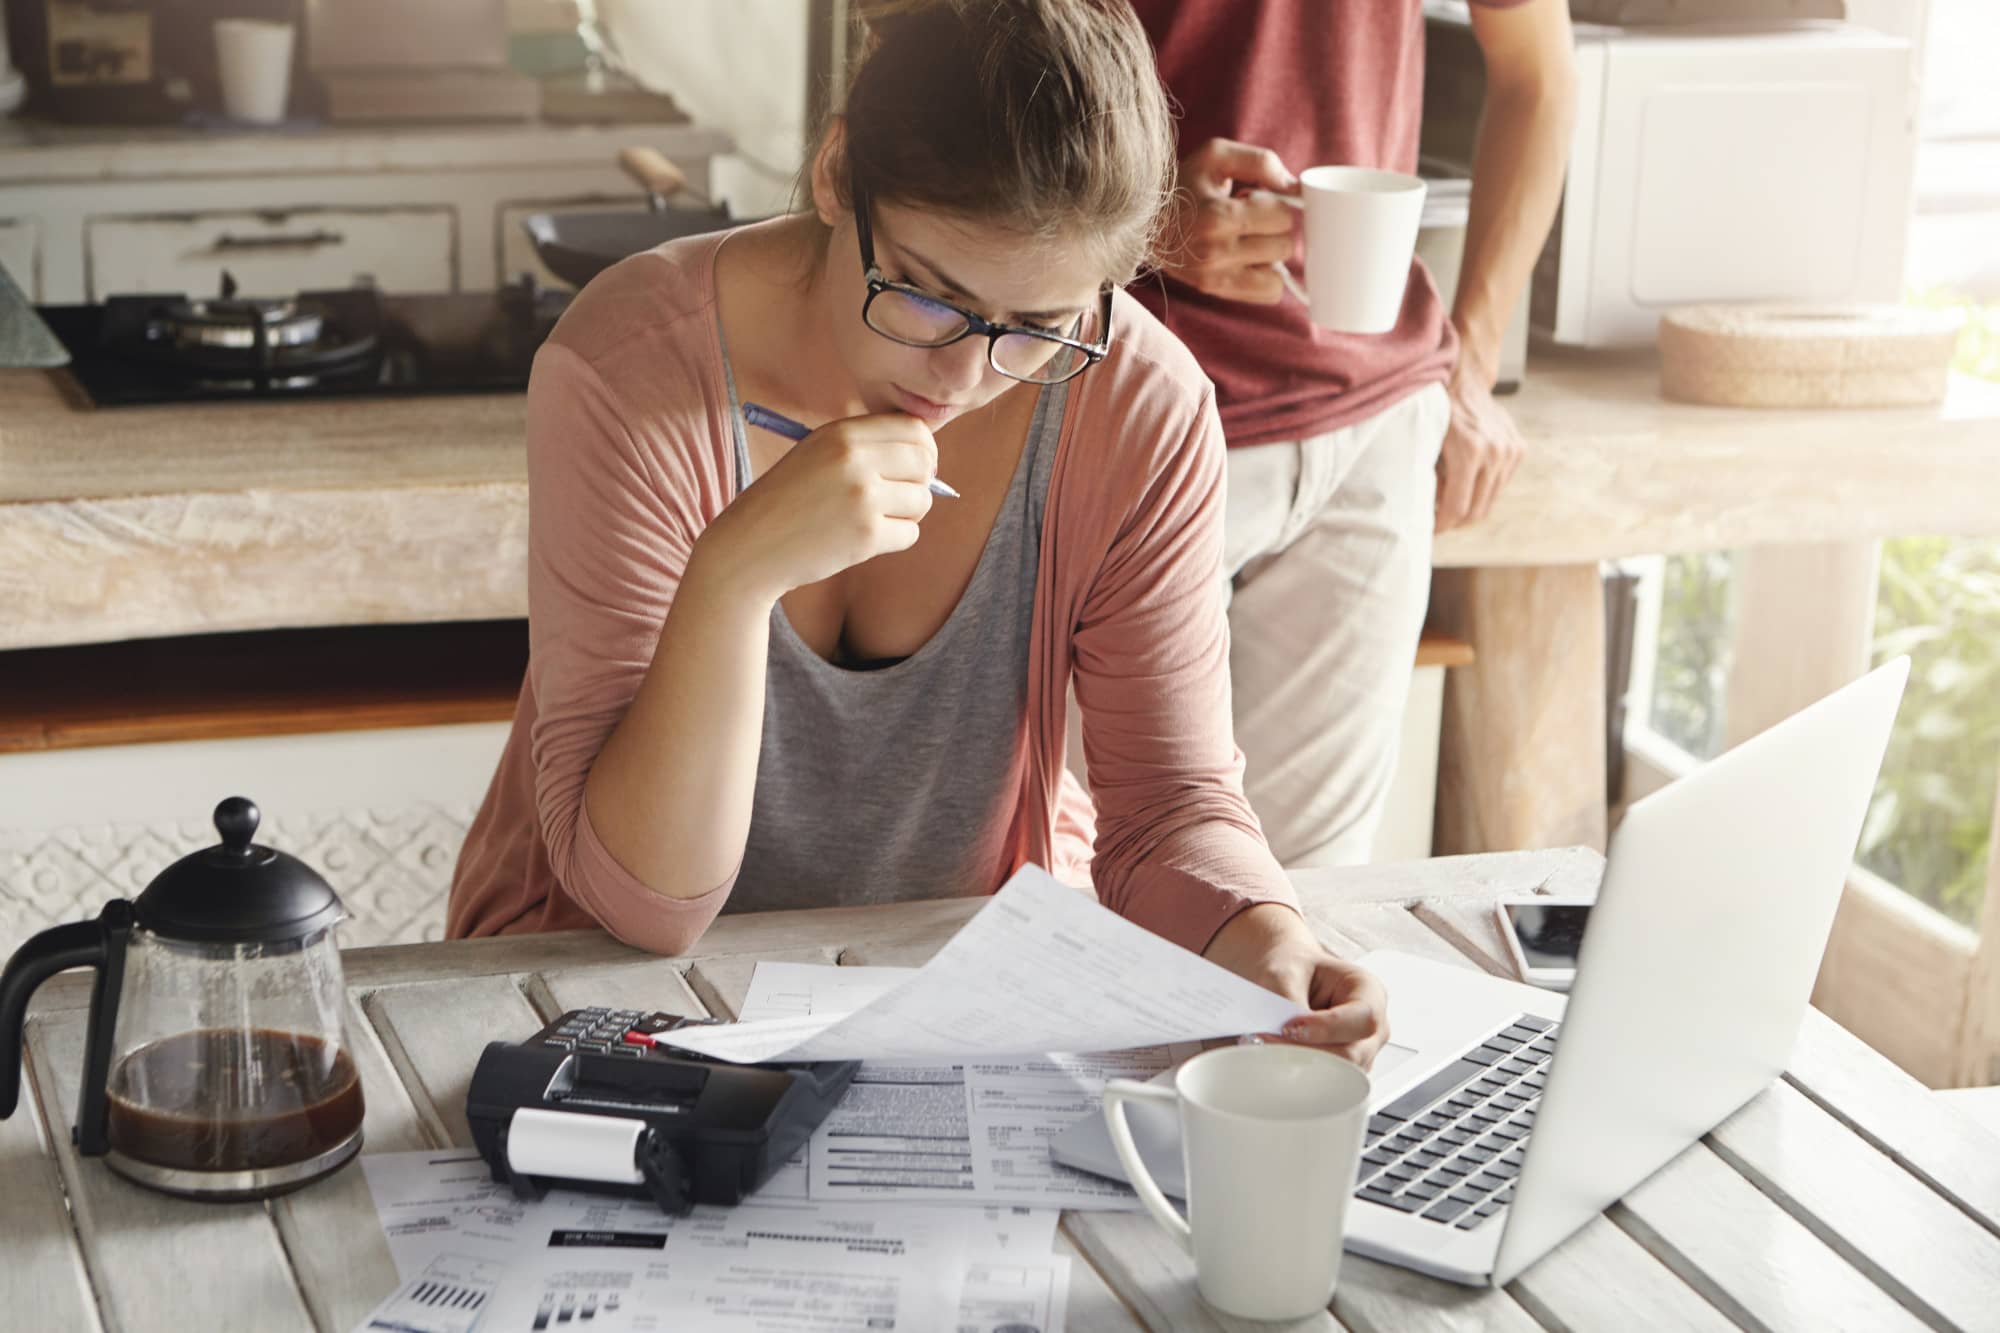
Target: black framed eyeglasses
{"x":911,"y":316}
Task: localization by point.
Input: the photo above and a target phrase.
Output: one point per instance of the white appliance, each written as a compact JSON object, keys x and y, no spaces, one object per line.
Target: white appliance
{"x":13,"y":88}
{"x":1712,"y":162}
{"x":1730,"y":876}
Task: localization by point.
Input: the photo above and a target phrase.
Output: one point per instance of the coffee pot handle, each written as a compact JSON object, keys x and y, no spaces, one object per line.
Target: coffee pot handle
{"x":99,"y":944}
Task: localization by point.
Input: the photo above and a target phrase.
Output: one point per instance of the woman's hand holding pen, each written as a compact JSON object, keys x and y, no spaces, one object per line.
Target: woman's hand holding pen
{"x":845,"y":493}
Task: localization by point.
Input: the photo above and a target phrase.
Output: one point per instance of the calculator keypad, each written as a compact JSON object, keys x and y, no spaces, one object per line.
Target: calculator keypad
{"x":603,"y":1031}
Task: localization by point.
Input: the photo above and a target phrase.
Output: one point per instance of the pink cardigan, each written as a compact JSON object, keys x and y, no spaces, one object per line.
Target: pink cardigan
{"x":630,"y":456}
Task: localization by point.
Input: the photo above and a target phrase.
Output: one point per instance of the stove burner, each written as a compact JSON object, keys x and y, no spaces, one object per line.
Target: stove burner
{"x":235,"y":341}
{"x":170,"y":348}
{"x":241,"y":324}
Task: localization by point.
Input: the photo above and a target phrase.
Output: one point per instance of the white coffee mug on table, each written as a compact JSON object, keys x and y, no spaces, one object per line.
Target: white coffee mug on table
{"x":254,"y":59}
{"x":1360,"y":234}
{"x":1270,"y":1139}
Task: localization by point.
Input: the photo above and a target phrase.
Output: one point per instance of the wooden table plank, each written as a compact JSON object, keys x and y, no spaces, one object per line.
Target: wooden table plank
{"x":435,"y":1030}
{"x":1382,"y":1298}
{"x":1573,"y":1293}
{"x":1748,"y":1256}
{"x":1376,"y":926}
{"x":1156,"y":1276}
{"x":1093,"y":1306}
{"x":397,"y":964}
{"x":338,"y":1251}
{"x":1948,"y":1150}
{"x":1480,"y":877}
{"x":43,"y":1283}
{"x":902,"y":949}
{"x":1472,"y":929}
{"x":155,"y":1259}
{"x":721,"y":983}
{"x":1907,"y":1238}
{"x":643,"y":986}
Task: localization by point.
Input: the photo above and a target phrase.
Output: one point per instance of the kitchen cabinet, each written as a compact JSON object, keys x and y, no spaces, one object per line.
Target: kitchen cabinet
{"x":274,"y":253}
{"x":421,"y":207}
{"x":20,"y":254}
{"x":369,"y":748}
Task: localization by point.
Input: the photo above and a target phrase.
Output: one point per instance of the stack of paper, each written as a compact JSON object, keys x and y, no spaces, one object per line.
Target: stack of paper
{"x":472,"y":1257}
{"x":1040,"y":968}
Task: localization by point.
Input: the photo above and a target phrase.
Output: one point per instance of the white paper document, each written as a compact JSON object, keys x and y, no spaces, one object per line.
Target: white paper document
{"x":448,"y":1296}
{"x":947,"y":1133}
{"x":474,"y":1259}
{"x":1032,"y":1298}
{"x":754,"y":1268}
{"x":1041,"y":968}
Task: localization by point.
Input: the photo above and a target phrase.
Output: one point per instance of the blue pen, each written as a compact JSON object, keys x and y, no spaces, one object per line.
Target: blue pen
{"x":779,"y":424}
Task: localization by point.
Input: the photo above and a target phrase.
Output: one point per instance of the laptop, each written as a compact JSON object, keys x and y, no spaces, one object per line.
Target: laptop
{"x":1505,"y":1117}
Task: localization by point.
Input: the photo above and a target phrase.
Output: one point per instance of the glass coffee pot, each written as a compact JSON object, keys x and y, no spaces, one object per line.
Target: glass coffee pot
{"x":215,"y":1063}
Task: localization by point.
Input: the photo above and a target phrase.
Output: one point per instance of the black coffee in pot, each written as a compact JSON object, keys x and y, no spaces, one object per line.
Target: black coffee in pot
{"x":230,"y":1100}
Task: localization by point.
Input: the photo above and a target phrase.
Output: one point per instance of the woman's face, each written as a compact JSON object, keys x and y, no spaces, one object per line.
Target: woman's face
{"x":987,"y":269}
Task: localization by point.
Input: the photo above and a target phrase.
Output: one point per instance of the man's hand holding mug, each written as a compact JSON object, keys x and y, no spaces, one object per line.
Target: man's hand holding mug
{"x":1232,"y":235}
{"x":1223,"y":242}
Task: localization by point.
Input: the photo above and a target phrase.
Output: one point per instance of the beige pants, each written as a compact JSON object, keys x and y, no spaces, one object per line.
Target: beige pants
{"x":1327,"y":544}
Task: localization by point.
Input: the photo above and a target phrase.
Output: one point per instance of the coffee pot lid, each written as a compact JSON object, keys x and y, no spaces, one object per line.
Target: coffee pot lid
{"x":238,"y":892}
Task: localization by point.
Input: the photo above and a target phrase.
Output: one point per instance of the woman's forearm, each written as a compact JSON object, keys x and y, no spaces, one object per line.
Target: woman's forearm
{"x":670,"y":793}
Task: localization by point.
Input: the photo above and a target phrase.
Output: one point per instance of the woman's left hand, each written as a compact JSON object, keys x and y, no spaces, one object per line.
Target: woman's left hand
{"x":1272,"y":945}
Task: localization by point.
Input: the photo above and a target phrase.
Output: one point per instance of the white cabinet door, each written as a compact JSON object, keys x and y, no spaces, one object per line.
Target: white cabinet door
{"x":273,"y":254}
{"x":20,"y":254}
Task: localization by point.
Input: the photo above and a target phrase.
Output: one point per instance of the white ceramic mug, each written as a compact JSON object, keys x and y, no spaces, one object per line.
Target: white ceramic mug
{"x":1270,"y":1137}
{"x":254,"y":58}
{"x":1360,"y":234}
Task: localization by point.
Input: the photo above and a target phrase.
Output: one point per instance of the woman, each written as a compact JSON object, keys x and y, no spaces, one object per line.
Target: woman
{"x":772,"y":674}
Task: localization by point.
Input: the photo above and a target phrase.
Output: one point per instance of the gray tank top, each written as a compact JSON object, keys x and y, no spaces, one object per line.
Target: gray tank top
{"x":896,"y":782}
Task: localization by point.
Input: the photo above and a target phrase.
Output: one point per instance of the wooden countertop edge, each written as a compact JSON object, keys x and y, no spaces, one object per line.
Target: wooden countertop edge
{"x":292,"y":683}
{"x":1603,"y":407}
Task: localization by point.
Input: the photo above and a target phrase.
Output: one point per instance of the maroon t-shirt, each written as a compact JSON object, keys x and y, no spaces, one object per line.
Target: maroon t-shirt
{"x":1318,"y":82}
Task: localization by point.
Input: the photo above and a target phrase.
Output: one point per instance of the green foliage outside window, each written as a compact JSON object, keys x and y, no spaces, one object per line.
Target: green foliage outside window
{"x":1930,"y":828}
{"x":1691,"y":669}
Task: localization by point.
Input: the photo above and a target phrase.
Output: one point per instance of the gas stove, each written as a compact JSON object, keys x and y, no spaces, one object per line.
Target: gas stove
{"x":353,"y":342}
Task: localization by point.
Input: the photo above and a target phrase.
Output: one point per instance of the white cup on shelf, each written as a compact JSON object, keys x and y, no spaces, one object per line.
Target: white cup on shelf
{"x":1270,"y":1140}
{"x":254,"y":59}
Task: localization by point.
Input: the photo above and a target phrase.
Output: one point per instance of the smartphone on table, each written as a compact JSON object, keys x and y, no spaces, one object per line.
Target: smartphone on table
{"x":1544,"y":935}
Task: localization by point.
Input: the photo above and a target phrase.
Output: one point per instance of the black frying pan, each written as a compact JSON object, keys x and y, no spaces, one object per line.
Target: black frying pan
{"x":578,"y":246}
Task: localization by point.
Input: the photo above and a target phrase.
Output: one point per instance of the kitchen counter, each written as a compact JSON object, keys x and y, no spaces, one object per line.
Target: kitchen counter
{"x":192,"y":519}
{"x":147,"y":522}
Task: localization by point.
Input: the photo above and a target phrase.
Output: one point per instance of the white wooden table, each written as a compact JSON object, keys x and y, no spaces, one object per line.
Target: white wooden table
{"x":1843,"y":1197}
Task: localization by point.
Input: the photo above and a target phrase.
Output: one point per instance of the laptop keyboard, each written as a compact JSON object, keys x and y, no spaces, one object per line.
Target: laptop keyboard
{"x":1448,"y":1149}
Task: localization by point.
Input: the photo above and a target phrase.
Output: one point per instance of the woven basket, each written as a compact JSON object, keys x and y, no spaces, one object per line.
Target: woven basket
{"x":1807,"y":356}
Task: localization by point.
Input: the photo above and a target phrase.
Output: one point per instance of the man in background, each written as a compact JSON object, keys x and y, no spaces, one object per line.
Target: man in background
{"x":1346,"y":451}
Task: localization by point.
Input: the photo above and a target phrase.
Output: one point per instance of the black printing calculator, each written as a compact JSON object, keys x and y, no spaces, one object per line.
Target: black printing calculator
{"x":669,"y":1124}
